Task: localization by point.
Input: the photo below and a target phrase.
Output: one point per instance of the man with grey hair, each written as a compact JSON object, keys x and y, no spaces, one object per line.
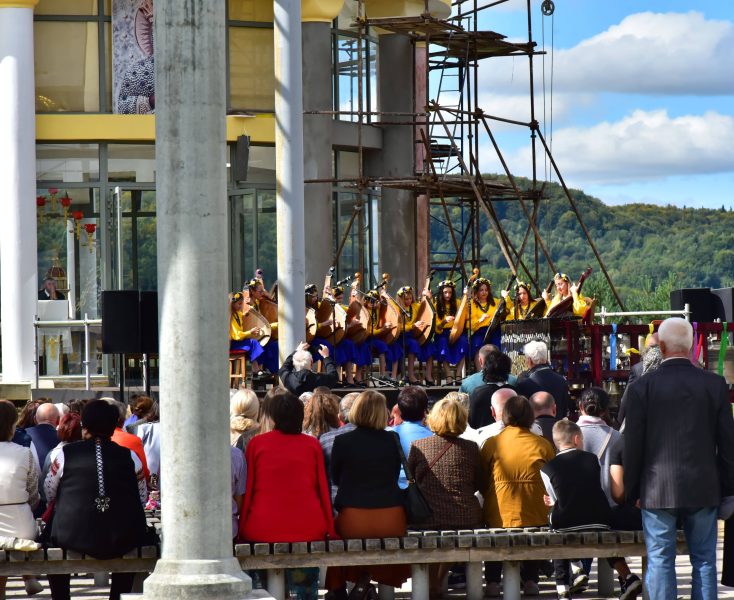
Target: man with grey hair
{"x":544,"y":406}
{"x":327,"y":439}
{"x":296,"y":374}
{"x":43,"y":433}
{"x":679,"y":461}
{"x":540,"y":377}
{"x":499,"y":399}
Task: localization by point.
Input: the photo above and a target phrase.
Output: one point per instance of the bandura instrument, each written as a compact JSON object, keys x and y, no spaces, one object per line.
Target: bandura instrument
{"x":501,"y":313}
{"x":268,"y":307}
{"x":457,"y":328}
{"x":426,"y":313}
{"x":389,"y":313}
{"x":311,"y":324}
{"x":536,"y":311}
{"x":251,"y":318}
{"x":358,"y":330}
{"x":565,"y":306}
{"x":332,"y":312}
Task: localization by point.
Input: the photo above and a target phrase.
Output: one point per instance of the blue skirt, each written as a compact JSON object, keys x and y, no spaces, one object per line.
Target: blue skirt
{"x":363,"y":354}
{"x":251,"y":348}
{"x":428,"y":350}
{"x":314,"y":348}
{"x":346,"y":352}
{"x":450,"y":353}
{"x":477,"y":339}
{"x":411,"y":347}
{"x":270,"y":359}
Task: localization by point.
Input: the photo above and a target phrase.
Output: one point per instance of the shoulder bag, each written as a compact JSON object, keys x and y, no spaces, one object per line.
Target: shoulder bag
{"x":416,"y":506}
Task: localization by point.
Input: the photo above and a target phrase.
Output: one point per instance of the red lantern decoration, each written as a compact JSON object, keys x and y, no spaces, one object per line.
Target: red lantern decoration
{"x":66,"y":203}
{"x":40,"y":204}
{"x":78,"y":216}
{"x":90,"y":228}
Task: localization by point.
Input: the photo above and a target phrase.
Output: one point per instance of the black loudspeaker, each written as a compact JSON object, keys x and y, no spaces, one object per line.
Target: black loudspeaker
{"x":149,"y":322}
{"x":241,"y":158}
{"x":723,"y":304}
{"x":121,"y":322}
{"x":699,"y":301}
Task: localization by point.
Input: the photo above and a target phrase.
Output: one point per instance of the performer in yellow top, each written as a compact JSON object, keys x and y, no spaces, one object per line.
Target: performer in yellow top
{"x":482,"y":307}
{"x":241,"y":339}
{"x":522,"y":304}
{"x":412,"y":347}
{"x":255,"y":297}
{"x":447,"y":306}
{"x":564,"y":289}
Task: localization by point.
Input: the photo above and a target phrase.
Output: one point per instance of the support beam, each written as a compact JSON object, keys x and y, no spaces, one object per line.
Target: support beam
{"x":17,"y":190}
{"x":191,"y":193}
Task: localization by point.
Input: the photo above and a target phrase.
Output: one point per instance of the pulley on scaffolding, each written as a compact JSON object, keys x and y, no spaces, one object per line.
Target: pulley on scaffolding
{"x":547,"y":8}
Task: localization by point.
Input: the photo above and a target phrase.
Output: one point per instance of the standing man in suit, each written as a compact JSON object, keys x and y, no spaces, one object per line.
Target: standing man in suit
{"x":679,"y":461}
{"x":540,"y":377}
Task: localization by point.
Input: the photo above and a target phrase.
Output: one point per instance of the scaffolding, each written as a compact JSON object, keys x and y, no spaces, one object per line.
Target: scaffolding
{"x":447,"y":135}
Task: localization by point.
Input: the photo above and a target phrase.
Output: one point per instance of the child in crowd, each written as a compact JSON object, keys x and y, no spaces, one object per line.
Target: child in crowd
{"x":572,"y":480}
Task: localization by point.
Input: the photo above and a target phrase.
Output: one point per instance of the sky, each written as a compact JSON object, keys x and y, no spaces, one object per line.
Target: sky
{"x":642,"y":102}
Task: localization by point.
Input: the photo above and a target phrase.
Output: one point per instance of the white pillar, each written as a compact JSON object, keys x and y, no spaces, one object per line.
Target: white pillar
{"x":191,"y":191}
{"x":289,"y":176}
{"x":17,"y":189}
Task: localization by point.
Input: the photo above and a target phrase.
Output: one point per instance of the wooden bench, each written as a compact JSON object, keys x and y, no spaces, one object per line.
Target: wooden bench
{"x":418,"y":549}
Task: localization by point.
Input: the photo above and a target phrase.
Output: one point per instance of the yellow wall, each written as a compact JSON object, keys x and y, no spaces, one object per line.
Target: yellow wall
{"x":137,"y":128}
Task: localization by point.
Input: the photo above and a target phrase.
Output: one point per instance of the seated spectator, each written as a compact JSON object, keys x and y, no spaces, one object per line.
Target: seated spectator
{"x":448,"y":471}
{"x":365,"y":464}
{"x":286,"y":496}
{"x":18,"y":488}
{"x":140,"y":406}
{"x":239,"y":479}
{"x":544,"y":407}
{"x":540,"y":377}
{"x":495,"y":371}
{"x":296,"y":374}
{"x":327,"y":440}
{"x":572,"y":481}
{"x":321,"y":414}
{"x":412,"y":407}
{"x":149,"y":432}
{"x":26,"y":420}
{"x":499,"y":399}
{"x":125,"y":439}
{"x":70,"y":430}
{"x":462,"y":398}
{"x":99,"y":493}
{"x":244,"y":408}
{"x":514,"y":493}
{"x":43,"y":433}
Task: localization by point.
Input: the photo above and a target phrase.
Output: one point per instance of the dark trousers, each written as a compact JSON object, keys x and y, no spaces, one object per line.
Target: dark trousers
{"x":122,"y":583}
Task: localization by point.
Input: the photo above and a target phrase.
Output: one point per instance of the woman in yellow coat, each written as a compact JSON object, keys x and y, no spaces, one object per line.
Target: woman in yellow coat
{"x":520,"y":307}
{"x":514,"y":494}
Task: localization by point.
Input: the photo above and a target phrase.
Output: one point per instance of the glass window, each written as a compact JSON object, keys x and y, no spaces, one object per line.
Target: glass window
{"x":261,"y":165}
{"x":131,"y":162}
{"x":251,"y":10}
{"x":67,"y":66}
{"x":70,"y":163}
{"x":267,"y":250}
{"x":251,"y":69}
{"x":68,"y":7}
{"x":347,"y":74}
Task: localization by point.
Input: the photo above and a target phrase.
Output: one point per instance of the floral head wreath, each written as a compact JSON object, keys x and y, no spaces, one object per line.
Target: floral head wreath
{"x":447,"y":283}
{"x":339,"y":290}
{"x":373,"y":295}
{"x":479,"y":282}
{"x":562,"y":277}
{"x":522,"y":284}
{"x":253,"y":283}
{"x":236,"y":297}
{"x":311,"y":288}
{"x":404,"y":290}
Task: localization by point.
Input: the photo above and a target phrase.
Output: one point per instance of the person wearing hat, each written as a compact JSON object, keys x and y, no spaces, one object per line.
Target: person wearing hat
{"x":377,"y":346}
{"x":270,"y":350}
{"x":520,"y":307}
{"x":449,"y":354}
{"x":241,"y":339}
{"x":406,"y":339}
{"x":564,"y":289}
{"x":482,"y":307}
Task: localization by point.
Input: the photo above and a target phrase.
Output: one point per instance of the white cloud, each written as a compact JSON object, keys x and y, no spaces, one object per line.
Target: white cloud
{"x":644,"y":145}
{"x":646,"y":53}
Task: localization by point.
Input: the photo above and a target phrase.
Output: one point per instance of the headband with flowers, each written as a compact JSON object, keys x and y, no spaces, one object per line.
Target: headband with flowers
{"x":481,"y":281}
{"x":236,"y":297}
{"x":562,"y":277}
{"x":404,"y":290}
{"x":446,"y":283}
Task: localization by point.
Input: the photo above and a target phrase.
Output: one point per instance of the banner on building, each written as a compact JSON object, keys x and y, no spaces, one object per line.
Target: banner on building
{"x":133,"y":66}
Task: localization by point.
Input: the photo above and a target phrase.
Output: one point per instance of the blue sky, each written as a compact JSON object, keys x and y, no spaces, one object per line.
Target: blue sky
{"x":643,"y":97}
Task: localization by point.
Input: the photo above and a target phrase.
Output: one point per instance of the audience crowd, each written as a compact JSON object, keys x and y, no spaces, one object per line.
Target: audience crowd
{"x":308,"y":466}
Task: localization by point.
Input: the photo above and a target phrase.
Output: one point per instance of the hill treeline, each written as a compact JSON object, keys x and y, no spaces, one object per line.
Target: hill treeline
{"x":647,"y":249}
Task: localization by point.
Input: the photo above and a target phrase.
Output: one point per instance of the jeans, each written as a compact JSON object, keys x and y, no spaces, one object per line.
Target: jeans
{"x":699,"y":526}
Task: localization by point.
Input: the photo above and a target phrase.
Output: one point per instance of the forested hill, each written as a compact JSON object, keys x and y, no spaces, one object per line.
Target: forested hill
{"x":647,"y":249}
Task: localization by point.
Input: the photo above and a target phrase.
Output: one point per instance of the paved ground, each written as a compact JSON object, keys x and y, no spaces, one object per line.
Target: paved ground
{"x":83,"y":587}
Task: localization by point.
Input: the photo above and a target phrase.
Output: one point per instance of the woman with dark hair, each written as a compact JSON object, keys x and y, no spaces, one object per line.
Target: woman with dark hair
{"x":365,"y":464}
{"x":287,"y":497}
{"x":520,"y":307}
{"x":99,"y":491}
{"x":495,"y":374}
{"x":406,"y":344}
{"x":447,"y":353}
{"x":481,"y":310}
{"x":515,"y":490}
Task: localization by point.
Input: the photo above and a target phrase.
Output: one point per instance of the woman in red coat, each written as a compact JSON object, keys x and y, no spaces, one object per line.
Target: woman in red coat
{"x":287,"y":498}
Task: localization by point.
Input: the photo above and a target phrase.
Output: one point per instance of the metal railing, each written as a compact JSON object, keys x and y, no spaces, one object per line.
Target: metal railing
{"x":87,"y":324}
{"x":685,"y":313}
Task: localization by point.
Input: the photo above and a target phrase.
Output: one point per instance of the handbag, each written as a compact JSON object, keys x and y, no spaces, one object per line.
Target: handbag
{"x":417,"y":508}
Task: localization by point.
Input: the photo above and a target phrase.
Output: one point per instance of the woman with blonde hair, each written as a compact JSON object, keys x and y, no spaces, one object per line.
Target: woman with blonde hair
{"x":365,"y":465}
{"x":448,"y":470}
{"x":321,"y":414}
{"x":244,"y":408}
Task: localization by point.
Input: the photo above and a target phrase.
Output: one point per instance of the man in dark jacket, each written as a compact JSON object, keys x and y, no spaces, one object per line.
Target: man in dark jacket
{"x":541,"y":378}
{"x":44,"y":434}
{"x":297,"y":376}
{"x":679,"y":461}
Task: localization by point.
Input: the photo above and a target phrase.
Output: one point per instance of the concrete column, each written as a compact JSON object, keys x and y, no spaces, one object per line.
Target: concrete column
{"x":17,"y":190}
{"x":317,"y":152}
{"x":289,"y":175}
{"x":397,"y":207}
{"x":197,"y":559}
{"x":423,"y":201}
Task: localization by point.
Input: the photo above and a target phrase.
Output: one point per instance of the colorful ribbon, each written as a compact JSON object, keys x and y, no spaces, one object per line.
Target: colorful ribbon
{"x":613,"y":348}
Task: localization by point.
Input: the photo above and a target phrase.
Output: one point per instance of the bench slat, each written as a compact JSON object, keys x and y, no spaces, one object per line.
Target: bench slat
{"x":410,"y":543}
{"x":391,"y":543}
{"x":281,"y":548}
{"x":261,"y":549}
{"x":354,"y":546}
{"x":299,"y":548}
{"x":317,"y":547}
{"x":373,"y":544}
{"x":242,"y":550}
